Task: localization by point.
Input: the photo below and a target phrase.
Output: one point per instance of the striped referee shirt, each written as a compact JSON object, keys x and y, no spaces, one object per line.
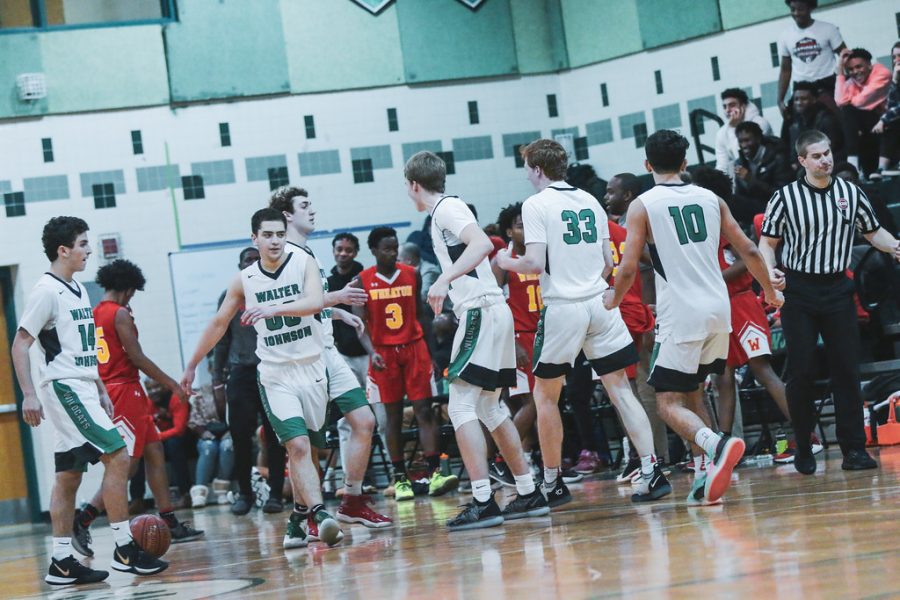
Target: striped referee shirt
{"x":817,"y":224}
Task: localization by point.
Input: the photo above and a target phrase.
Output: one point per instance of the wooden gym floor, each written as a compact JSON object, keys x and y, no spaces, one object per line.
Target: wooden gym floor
{"x":779,"y":535}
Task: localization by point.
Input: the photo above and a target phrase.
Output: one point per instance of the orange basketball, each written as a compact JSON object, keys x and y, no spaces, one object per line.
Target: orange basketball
{"x":152,"y":534}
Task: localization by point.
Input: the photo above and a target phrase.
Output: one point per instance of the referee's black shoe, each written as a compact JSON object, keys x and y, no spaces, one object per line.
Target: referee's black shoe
{"x":858,"y":460}
{"x":804,"y":461}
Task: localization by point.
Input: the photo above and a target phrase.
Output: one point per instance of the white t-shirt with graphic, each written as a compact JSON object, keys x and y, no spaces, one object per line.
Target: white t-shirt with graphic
{"x":811,"y":50}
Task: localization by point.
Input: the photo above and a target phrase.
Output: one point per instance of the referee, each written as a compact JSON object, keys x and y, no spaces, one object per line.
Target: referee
{"x":815,"y":217}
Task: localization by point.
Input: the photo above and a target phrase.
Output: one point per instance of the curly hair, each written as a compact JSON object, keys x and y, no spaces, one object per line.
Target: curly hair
{"x":507,"y":217}
{"x":283,"y":198}
{"x":61,"y":231}
{"x":120,"y":275}
{"x":713,"y":180}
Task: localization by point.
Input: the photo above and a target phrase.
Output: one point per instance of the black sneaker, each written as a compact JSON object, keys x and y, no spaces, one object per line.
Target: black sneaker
{"x":532,"y":505}
{"x":858,"y":460}
{"x":131,"y":559}
{"x":558,"y":494}
{"x":499,"y":471}
{"x":81,"y":536}
{"x":631,"y":470}
{"x":477,"y":515}
{"x":183,"y":532}
{"x":241,"y":505}
{"x":69,"y":571}
{"x":652,"y":488}
{"x":805,"y":461}
{"x":273,"y":505}
{"x":571,"y":476}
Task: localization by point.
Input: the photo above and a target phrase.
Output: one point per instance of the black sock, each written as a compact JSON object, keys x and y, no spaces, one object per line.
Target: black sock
{"x":399,"y":468}
{"x":316,"y":508}
{"x":169,"y":518}
{"x":88,"y":514}
{"x":300,"y":508}
{"x":434,"y":461}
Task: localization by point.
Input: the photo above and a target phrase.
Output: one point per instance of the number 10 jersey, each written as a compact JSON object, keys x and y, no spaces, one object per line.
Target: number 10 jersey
{"x":282,"y":339}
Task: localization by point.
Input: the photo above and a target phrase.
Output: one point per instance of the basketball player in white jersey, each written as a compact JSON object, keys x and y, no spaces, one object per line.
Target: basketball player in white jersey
{"x":282,"y":292}
{"x":682,"y":224}
{"x":343,"y":387}
{"x":59,"y":317}
{"x":567,"y":243}
{"x":483,"y":360}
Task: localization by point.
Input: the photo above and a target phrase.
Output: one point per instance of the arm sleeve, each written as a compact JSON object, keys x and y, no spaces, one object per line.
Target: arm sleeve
{"x":773,"y":222}
{"x":866,"y":221}
{"x":39,"y":311}
{"x":534,"y":224}
{"x":454,"y":216}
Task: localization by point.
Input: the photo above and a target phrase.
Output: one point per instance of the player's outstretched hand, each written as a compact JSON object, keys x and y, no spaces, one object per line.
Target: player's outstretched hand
{"x":32,"y":411}
{"x":378,"y":362}
{"x":253,"y":314}
{"x":776,"y":298}
{"x":609,"y":302}
{"x":352,"y":295}
{"x":354,"y":321}
{"x":777,"y":278}
{"x":504,"y":258}
{"x":436,"y":294}
{"x":187,"y":381}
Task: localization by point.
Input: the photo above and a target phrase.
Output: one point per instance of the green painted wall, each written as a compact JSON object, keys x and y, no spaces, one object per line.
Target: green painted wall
{"x":540,"y":37}
{"x":446,"y":40}
{"x":737,"y":13}
{"x":111,"y":67}
{"x":20,"y":53}
{"x":600,"y":29}
{"x":672,"y":21}
{"x":227,"y":48}
{"x":339,"y":45}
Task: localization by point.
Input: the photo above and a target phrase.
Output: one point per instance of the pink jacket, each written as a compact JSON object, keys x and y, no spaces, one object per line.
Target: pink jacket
{"x":870,"y":96}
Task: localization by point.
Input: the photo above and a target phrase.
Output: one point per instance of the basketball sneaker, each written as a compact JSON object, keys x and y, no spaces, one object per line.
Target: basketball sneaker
{"x":69,"y":571}
{"x":558,"y":494}
{"x":570,"y":475}
{"x":327,"y":529}
{"x":294,"y":536}
{"x":403,"y":489}
{"x":588,"y":462}
{"x":632,"y":469}
{"x":477,"y":515}
{"x":131,"y":559}
{"x":696,"y":496}
{"x":532,"y":505}
{"x":355,"y":509}
{"x":728,"y":454}
{"x":441,"y":484}
{"x":651,"y":488}
{"x":81,"y":536}
{"x":183,"y":532}
{"x":242,"y":505}
{"x":499,"y":472}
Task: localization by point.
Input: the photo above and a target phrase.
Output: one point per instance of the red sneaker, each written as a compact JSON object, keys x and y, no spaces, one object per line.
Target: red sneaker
{"x":588,"y":462}
{"x":355,"y":509}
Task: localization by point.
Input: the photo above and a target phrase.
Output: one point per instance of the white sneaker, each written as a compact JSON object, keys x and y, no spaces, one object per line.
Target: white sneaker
{"x":199,"y":495}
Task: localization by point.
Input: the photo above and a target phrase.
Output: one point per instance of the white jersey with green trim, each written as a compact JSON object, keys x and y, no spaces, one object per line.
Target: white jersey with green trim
{"x":324,"y":317}
{"x":58,"y":315}
{"x":282,"y":339}
{"x":691,"y":296}
{"x":574,"y":227}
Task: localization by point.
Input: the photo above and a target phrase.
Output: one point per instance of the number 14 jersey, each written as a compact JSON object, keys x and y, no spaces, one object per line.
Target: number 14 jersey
{"x":391,"y":308}
{"x":691,"y":297}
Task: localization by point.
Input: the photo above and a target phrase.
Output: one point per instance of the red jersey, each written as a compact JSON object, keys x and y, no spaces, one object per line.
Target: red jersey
{"x":112,"y":360}
{"x":726,"y":259}
{"x":391,"y":310}
{"x":617,"y":235}
{"x":524,"y":300}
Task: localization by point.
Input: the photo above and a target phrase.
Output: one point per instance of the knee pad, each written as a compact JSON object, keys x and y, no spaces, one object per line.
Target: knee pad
{"x":489,"y":410}
{"x":462,"y":406}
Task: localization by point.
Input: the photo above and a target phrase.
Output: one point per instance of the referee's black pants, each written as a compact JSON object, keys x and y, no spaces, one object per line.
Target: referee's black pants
{"x":245,"y":410}
{"x":823,"y":305}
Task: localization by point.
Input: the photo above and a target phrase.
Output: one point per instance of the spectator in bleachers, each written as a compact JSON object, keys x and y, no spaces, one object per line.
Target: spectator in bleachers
{"x":810,"y":113}
{"x":738,"y":108}
{"x":215,"y":452}
{"x":888,"y":126}
{"x":171,"y":419}
{"x":761,"y":168}
{"x":848,"y":172}
{"x":861,"y":93}
{"x":807,"y":49}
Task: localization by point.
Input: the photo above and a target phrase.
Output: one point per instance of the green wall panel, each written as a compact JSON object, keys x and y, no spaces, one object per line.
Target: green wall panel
{"x":668,"y":21}
{"x":600,"y":29}
{"x":443,"y":39}
{"x":105,"y":68}
{"x":737,"y":13}
{"x":227,"y":48}
{"x":19,"y":53}
{"x":540,"y":38}
{"x":362,"y":51}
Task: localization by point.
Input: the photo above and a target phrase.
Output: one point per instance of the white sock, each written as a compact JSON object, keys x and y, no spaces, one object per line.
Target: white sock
{"x":698,"y":466}
{"x":707,"y":439}
{"x":550,"y":475}
{"x":353,"y":489}
{"x":481,"y":490}
{"x":524,"y":484}
{"x":647,"y":463}
{"x":121,"y":533}
{"x":62,"y":547}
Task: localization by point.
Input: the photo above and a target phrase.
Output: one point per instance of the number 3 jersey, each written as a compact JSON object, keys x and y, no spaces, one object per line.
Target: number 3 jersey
{"x":59,"y":316}
{"x":282,"y":339}
{"x":391,"y":307}
{"x":691,"y":296}
{"x":574,"y":227}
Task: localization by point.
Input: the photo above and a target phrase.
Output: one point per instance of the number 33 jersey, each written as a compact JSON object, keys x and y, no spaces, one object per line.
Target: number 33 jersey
{"x":391,"y":308}
{"x":282,"y":339}
{"x":574,"y":227}
{"x":691,"y":296}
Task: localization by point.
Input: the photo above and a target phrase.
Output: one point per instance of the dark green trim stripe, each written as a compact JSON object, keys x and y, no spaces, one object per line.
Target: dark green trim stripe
{"x":284,"y":430}
{"x":350,"y":401}
{"x":538,"y":340}
{"x":107,"y":440}
{"x":469,"y":341}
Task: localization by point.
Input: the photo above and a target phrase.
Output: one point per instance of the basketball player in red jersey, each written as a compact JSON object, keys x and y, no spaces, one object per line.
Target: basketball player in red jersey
{"x":525,"y":302}
{"x":400,"y":362}
{"x":119,"y":358}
